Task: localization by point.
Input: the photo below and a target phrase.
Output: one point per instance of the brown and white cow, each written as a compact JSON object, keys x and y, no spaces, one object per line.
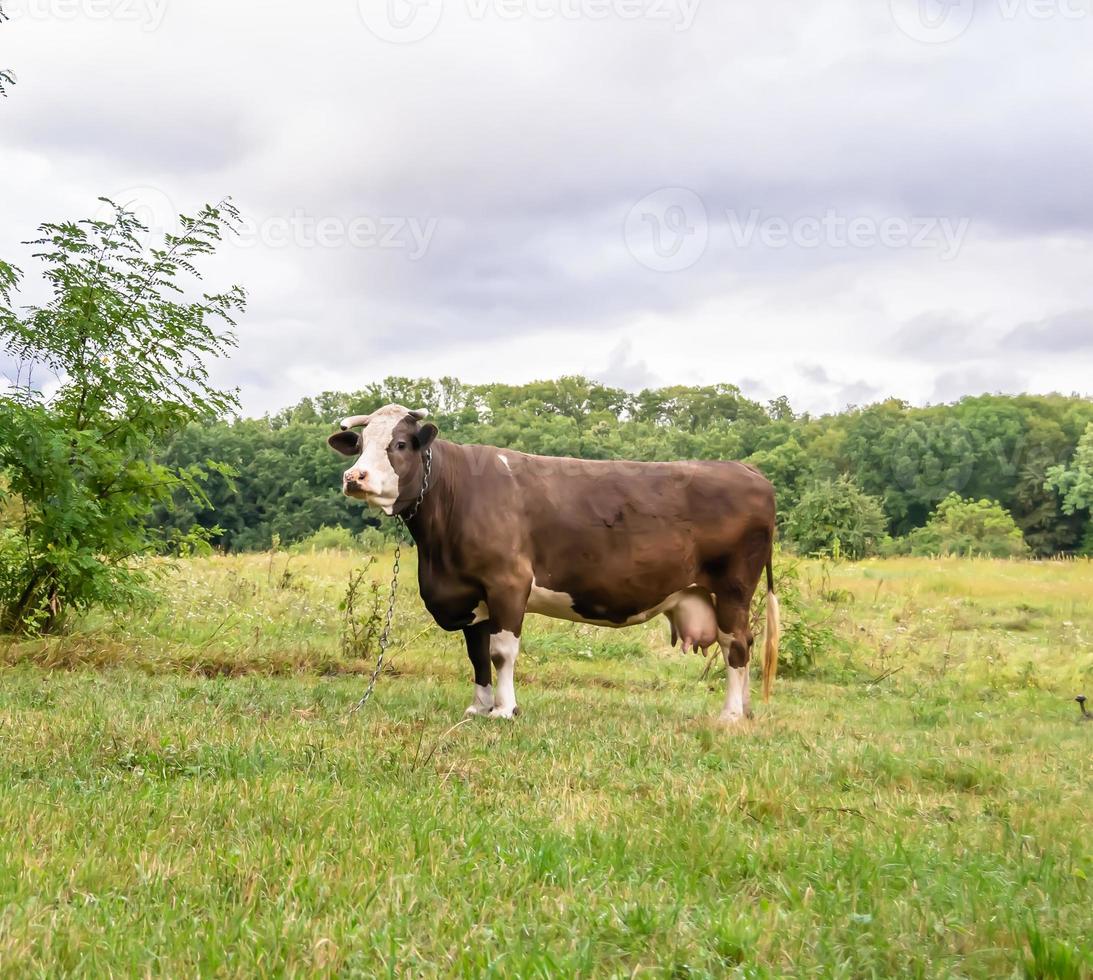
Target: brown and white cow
{"x":501,"y":534}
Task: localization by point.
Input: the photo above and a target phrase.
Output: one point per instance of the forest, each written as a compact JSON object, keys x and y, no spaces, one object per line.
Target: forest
{"x":892,"y":464}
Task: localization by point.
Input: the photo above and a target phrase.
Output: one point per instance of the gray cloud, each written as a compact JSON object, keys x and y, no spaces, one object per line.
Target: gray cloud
{"x":183,"y":137}
{"x":1065,"y":333}
{"x":757,"y":389}
{"x":814,"y":372}
{"x":840,"y":394}
{"x":953,"y":385}
{"x":624,"y":370}
{"x":938,"y":336}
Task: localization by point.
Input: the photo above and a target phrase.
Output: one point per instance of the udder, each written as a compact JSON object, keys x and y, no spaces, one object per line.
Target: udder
{"x":694,"y":621}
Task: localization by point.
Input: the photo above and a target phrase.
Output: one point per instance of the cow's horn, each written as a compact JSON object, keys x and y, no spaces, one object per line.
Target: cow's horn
{"x":419,"y":413}
{"x":354,"y":420}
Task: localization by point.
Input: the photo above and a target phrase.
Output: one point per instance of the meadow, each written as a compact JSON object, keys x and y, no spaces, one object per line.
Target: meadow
{"x":183,"y":790}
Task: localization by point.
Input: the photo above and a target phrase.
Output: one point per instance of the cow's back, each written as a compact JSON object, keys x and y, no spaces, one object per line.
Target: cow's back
{"x":618,"y":537}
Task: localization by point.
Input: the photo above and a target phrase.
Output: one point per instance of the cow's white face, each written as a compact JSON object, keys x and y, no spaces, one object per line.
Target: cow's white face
{"x":387,"y":451}
{"x":372,"y":478}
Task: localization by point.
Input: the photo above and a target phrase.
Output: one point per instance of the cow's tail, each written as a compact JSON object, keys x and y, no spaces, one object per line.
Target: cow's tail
{"x":774,"y":625}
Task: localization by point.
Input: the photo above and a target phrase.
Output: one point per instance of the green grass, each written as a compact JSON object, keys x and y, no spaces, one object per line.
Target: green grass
{"x":182,"y":792}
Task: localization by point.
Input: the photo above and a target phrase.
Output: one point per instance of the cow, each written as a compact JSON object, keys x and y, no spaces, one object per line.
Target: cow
{"x":501,"y":533}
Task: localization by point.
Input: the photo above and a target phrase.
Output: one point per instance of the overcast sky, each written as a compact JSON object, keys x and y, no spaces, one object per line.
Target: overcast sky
{"x":837,"y":200}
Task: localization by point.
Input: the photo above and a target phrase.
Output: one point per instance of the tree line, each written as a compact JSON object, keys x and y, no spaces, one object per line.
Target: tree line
{"x":1024,"y":453}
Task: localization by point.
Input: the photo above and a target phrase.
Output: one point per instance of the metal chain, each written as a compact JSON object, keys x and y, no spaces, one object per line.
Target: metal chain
{"x":385,"y":636}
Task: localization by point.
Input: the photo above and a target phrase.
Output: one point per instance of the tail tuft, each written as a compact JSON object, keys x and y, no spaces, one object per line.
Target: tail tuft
{"x":770,"y":648}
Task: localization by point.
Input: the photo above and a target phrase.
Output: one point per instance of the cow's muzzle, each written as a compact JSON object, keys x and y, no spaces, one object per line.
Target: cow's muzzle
{"x":355,"y":484}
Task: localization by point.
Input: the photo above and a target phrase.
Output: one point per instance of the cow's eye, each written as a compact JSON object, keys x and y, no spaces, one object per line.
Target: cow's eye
{"x":400,"y":445}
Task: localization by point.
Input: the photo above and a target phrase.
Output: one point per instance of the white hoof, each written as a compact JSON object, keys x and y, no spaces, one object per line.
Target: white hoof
{"x":730,"y":719}
{"x":482,"y":704}
{"x":509,"y":713}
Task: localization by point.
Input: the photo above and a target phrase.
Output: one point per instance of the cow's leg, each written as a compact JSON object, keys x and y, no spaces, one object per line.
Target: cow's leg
{"x":505,"y":622}
{"x":478,"y":650}
{"x":504,"y":646}
{"x":735,"y":640}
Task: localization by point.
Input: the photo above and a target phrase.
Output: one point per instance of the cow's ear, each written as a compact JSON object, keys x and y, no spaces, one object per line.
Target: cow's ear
{"x":425,"y":435}
{"x":347,"y":443}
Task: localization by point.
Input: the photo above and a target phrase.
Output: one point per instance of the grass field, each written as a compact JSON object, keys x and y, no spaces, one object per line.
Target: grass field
{"x":182,"y":792}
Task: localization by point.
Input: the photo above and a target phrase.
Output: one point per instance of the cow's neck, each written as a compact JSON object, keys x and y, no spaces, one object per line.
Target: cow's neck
{"x":427,"y":525}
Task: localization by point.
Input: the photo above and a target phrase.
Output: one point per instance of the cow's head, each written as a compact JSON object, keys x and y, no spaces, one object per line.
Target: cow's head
{"x":389,"y":447}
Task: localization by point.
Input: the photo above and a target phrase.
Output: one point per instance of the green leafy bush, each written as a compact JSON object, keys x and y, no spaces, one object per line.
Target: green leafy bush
{"x":127,"y":347}
{"x":371,"y":540}
{"x":836,"y":518}
{"x":969,"y":528}
{"x":329,"y":539}
{"x":806,"y":633}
